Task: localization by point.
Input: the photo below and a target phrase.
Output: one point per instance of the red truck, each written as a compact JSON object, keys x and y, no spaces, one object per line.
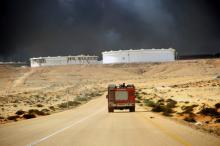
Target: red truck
{"x":121,"y":97}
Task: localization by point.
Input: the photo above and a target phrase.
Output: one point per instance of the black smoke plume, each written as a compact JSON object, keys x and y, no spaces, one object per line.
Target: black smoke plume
{"x":63,"y":27}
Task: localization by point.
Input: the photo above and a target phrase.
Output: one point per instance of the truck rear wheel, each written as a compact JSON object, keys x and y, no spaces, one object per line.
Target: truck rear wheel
{"x":110,"y":109}
{"x":132,"y":109}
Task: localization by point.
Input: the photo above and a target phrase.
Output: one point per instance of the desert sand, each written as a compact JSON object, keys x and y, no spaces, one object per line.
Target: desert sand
{"x":186,"y":90}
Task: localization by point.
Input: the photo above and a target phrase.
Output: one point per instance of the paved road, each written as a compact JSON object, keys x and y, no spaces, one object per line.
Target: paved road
{"x":91,"y":125}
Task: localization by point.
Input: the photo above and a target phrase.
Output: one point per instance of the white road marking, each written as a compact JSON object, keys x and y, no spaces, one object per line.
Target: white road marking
{"x":65,"y":128}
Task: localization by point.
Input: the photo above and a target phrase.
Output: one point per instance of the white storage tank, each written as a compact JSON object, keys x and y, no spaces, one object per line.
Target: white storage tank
{"x":63,"y":60}
{"x":141,"y":55}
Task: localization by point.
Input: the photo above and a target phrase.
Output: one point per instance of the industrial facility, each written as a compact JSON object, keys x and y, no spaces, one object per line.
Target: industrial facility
{"x":63,"y":60}
{"x":109,"y":57}
{"x":141,"y":55}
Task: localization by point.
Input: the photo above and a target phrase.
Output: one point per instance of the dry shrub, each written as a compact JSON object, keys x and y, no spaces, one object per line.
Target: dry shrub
{"x":217,"y":121}
{"x":52,"y":108}
{"x":149,"y":102}
{"x":82,"y":98}
{"x":157,"y":108}
{"x":190,"y":119}
{"x":39,"y":105}
{"x":62,"y":105}
{"x":188,"y":109}
{"x":210,"y":112}
{"x":171,"y":103}
{"x":174,"y":86}
{"x":29,"y":116}
{"x":217,"y":105}
{"x":37,"y":112}
{"x":45,"y":112}
{"x":33,"y":111}
{"x":144,"y":93}
{"x":94,"y":94}
{"x":160,"y":107}
{"x":167,"y":111}
{"x":69,"y":103}
{"x":138,"y":96}
{"x":214,"y":85}
{"x":15,"y":117}
{"x":20,"y":112}
{"x":161,"y":101}
{"x":73,"y":103}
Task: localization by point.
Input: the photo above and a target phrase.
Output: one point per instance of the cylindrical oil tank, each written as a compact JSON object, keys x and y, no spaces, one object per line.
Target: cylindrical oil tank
{"x":141,"y":55}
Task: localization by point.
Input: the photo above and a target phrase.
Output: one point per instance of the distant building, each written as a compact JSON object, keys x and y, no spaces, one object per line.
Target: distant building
{"x":63,"y":60}
{"x":141,"y":55}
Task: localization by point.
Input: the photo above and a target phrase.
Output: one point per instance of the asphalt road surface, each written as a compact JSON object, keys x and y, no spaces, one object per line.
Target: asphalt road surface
{"x":91,"y":125}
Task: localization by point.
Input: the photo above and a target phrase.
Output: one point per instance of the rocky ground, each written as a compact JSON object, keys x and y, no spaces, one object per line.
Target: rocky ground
{"x":186,"y":90}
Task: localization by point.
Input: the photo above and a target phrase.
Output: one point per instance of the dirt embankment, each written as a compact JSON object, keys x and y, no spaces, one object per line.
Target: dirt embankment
{"x":196,"y":102}
{"x":188,"y":90}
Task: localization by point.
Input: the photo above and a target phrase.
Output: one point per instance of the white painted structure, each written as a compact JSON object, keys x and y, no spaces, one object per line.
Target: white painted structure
{"x":142,"y":55}
{"x":63,"y":60}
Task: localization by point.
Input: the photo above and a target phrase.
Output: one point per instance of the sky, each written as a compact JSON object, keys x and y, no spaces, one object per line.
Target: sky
{"x":32,"y":28}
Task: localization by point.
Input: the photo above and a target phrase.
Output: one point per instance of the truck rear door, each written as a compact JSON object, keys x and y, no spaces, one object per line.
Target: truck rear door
{"x":121,"y":95}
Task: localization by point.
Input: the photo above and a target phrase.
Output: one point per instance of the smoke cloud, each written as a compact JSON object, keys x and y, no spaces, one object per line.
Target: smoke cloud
{"x":63,"y":27}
